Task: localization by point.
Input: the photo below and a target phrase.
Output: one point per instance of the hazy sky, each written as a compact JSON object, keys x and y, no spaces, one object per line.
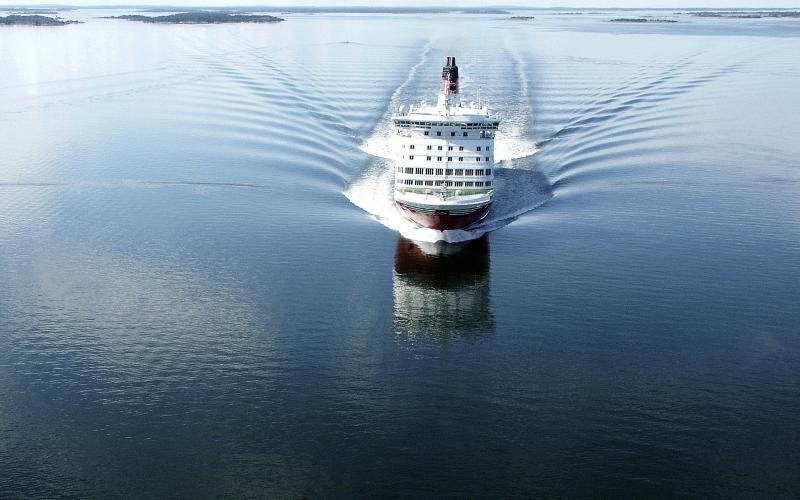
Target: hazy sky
{"x":538,"y":3}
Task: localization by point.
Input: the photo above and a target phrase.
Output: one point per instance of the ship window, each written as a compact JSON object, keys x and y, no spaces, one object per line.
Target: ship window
{"x":479,"y":184}
{"x":426,"y":133}
{"x":428,"y":171}
{"x":448,"y":183}
{"x":439,"y":148}
{"x":417,"y":183}
{"x":418,"y":171}
{"x":459,"y":171}
{"x":479,"y":148}
{"x":468,"y":184}
{"x":439,"y":171}
{"x":479,"y":171}
{"x":487,"y":183}
{"x":429,"y":158}
{"x":411,"y":146}
{"x":460,"y":158}
{"x":459,"y":183}
{"x":438,"y":158}
{"x":488,"y":171}
{"x":469,"y":171}
{"x":487,"y":148}
{"x":465,"y":134}
{"x":399,"y":170}
{"x":437,"y":183}
{"x":477,"y":158}
{"x":429,"y":183}
{"x":461,"y":148}
{"x":452,"y":134}
{"x":449,"y":158}
{"x":448,"y":171}
{"x":449,"y":148}
{"x":409,"y":170}
{"x":487,"y":158}
{"x":439,"y":133}
{"x":429,"y":148}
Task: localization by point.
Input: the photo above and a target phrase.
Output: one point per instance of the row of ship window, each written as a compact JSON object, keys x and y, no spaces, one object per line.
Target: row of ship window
{"x":467,"y":125}
{"x":444,"y":171}
{"x":449,"y":148}
{"x":449,"y":158}
{"x":453,"y":134}
{"x":416,"y":182}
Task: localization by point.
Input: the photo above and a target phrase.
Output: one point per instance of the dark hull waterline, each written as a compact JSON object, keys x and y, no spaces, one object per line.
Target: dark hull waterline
{"x":443,"y":220}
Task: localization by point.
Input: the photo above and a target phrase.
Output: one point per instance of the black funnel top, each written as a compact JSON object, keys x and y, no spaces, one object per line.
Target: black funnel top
{"x":450,"y":76}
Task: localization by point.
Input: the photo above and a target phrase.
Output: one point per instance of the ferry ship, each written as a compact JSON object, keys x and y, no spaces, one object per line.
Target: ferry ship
{"x":444,"y":159}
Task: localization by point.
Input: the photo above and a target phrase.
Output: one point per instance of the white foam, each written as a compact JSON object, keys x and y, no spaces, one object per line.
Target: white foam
{"x":517,"y":191}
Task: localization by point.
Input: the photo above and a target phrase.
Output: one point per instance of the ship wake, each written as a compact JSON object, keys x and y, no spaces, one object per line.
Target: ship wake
{"x":519,"y":186}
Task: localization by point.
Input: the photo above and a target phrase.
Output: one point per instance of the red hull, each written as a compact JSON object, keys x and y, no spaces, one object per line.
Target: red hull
{"x":442,"y":221}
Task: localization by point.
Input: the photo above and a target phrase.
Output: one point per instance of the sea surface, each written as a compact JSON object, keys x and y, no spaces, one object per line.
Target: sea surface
{"x":205,"y":290}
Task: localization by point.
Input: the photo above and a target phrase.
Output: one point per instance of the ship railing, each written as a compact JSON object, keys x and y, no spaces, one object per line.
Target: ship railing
{"x":449,"y":193}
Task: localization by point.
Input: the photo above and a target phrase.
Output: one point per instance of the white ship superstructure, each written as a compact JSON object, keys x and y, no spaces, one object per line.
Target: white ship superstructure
{"x":444,"y":174}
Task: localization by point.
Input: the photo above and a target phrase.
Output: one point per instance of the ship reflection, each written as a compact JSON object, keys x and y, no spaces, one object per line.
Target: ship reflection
{"x":441,"y":292}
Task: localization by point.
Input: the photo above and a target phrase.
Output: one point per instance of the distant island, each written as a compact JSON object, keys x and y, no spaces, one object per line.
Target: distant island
{"x":34,"y":20}
{"x":641,"y":20}
{"x":748,"y":14}
{"x":485,"y":11}
{"x":521,"y":18}
{"x":199,"y":17}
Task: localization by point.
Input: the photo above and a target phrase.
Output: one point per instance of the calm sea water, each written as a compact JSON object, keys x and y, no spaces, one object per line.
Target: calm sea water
{"x":205,"y":292}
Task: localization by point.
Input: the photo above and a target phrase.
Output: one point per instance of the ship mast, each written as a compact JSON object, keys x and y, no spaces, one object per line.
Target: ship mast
{"x":449,"y":86}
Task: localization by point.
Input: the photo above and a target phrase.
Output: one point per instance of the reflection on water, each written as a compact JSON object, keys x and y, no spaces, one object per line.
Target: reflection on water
{"x":441,"y":291}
